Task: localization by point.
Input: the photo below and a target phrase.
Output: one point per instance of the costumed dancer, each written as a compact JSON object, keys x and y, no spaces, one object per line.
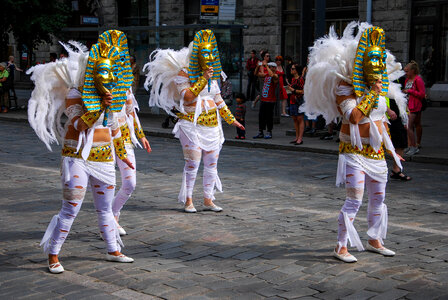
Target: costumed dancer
{"x":186,"y":80}
{"x":88,"y":147}
{"x":347,"y":78}
{"x":131,"y":129}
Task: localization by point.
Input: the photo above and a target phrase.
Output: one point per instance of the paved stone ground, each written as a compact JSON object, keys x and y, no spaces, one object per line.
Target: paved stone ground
{"x":273,"y":240}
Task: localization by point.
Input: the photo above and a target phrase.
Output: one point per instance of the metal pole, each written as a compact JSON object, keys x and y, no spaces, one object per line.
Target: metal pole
{"x":369,"y":11}
{"x":157,"y":23}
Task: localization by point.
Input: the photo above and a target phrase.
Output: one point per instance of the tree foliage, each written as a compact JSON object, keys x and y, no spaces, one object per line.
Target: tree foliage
{"x":32,"y":21}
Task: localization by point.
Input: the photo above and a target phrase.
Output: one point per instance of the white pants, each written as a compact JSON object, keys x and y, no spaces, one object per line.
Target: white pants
{"x":128,"y":181}
{"x":376,"y":212}
{"x":74,"y":191}
{"x":192,"y":156}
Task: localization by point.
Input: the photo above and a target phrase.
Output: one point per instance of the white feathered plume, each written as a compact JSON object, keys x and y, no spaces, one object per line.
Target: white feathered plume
{"x":331,"y":60}
{"x":52,"y":82}
{"x":162,"y":69}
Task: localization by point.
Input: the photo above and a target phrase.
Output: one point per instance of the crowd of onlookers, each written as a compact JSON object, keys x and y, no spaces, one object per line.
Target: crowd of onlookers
{"x":279,"y":84}
{"x":7,"y":72}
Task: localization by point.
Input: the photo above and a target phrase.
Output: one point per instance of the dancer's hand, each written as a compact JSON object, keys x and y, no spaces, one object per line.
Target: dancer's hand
{"x":128,"y":162}
{"x":146,"y":144}
{"x":208,"y":73}
{"x":238,"y":124}
{"x":399,"y":156}
{"x":392,"y":114}
{"x":107,"y":99}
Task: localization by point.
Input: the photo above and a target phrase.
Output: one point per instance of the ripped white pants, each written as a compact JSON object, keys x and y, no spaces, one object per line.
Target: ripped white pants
{"x":74,"y":191}
{"x":376,"y":211}
{"x":192,"y":155}
{"x":128,"y":181}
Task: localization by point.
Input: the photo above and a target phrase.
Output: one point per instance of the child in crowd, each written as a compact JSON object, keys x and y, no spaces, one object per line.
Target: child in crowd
{"x":240,"y":115}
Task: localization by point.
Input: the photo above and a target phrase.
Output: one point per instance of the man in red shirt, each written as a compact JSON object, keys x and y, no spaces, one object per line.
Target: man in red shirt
{"x":251,"y":65}
{"x":268,"y":99}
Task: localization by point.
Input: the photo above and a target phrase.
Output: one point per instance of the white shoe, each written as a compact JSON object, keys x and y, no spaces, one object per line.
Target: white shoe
{"x":413,"y":151}
{"x":120,"y":258}
{"x":190,"y":209}
{"x":345,"y":257}
{"x":213,"y":207}
{"x":121,"y":231}
{"x":55,"y":268}
{"x":383,"y":250}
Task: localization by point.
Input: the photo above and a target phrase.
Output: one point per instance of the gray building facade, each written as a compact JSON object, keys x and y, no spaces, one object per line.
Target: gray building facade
{"x":415,"y":30}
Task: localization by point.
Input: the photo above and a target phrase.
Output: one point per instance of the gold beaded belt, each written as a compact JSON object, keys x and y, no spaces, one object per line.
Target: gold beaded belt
{"x":101,"y":153}
{"x":208,"y":119}
{"x":367,"y":150}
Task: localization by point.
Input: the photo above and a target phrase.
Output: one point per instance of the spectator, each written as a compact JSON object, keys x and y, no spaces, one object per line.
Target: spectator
{"x":268,"y":100}
{"x":53,"y":57}
{"x":282,"y":75}
{"x":251,"y":65}
{"x":310,"y":124}
{"x":135,"y":73}
{"x":10,"y":65}
{"x":398,"y":135}
{"x":4,"y":88}
{"x":261,"y":71}
{"x":240,"y":115}
{"x":415,"y":88}
{"x":227,"y":91}
{"x":295,"y":101}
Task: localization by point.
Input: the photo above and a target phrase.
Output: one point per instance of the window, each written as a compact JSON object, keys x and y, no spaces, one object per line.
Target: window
{"x":132,"y":13}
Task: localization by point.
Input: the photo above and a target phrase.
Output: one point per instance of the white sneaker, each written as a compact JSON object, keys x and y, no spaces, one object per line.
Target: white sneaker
{"x":412,"y":151}
{"x":190,"y":209}
{"x":213,"y":207}
{"x":120,"y":258}
{"x":345,"y":257}
{"x":383,"y":250}
{"x":55,"y":268}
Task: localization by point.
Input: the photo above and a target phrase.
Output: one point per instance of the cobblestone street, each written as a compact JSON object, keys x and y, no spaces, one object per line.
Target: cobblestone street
{"x":273,"y":240}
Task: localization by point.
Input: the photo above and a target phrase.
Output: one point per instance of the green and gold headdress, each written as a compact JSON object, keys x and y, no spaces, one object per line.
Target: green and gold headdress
{"x":370,"y":61}
{"x":119,"y":40}
{"x":101,"y":64}
{"x":204,"y":46}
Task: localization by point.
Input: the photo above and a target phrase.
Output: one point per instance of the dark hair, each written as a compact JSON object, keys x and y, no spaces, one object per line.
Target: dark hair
{"x":53,"y":55}
{"x":253,"y":51}
{"x":287,"y":57}
{"x":241,"y":96}
{"x":299,"y":69}
{"x":263,"y":54}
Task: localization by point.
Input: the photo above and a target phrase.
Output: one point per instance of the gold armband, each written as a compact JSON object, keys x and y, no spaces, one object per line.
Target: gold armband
{"x":369,"y":102}
{"x":198,"y":86}
{"x":226,"y":114}
{"x":138,"y":130}
{"x":91,"y":117}
{"x":120,"y":150}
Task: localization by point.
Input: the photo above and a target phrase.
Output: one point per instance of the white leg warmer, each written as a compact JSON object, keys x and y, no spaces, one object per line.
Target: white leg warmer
{"x":192,"y":156}
{"x":377,"y":210}
{"x":128,"y":182}
{"x":354,"y":185}
{"x":210,"y":175}
{"x":73,"y":194}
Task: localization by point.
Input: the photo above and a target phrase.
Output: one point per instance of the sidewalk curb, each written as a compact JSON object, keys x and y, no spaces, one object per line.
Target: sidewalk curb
{"x":254,"y":144}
